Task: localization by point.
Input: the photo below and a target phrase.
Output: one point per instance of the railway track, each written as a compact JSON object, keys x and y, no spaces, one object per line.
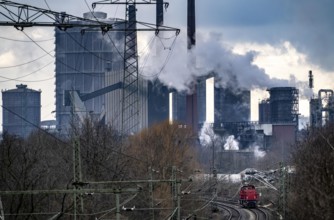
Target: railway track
{"x":261,"y":213}
{"x":232,"y":211}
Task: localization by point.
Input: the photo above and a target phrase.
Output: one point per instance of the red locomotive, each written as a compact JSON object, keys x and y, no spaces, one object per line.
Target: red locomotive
{"x":248,"y":197}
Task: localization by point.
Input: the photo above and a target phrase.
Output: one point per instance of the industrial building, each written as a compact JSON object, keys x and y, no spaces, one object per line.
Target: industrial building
{"x":81,"y":60}
{"x":177,"y":107}
{"x":278,"y":116}
{"x":277,"y":128}
{"x":264,"y":112}
{"x":214,"y":104}
{"x":322,"y":108}
{"x":157,"y":102}
{"x":21,"y":110}
{"x":232,"y":105}
{"x":153,"y":102}
{"x":227,"y":109}
{"x":91,"y":78}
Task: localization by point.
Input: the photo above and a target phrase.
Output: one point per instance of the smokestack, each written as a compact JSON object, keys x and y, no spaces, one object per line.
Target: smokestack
{"x":310,"y":79}
{"x":160,"y":13}
{"x":191,"y":28}
{"x":159,"y":22}
{"x":191,"y":100}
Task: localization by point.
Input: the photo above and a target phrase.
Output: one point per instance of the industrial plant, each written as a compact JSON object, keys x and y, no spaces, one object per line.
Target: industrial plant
{"x":104,"y":85}
{"x":96,"y":77}
{"x":138,"y":146}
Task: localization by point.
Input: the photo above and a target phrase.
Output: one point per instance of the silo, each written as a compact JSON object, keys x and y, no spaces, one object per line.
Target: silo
{"x":21,"y":110}
{"x":284,"y":104}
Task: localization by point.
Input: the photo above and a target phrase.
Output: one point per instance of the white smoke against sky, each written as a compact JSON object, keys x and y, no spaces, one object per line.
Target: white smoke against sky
{"x":211,"y":55}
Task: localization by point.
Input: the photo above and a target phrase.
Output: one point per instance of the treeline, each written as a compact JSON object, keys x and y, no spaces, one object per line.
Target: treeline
{"x":311,"y":189}
{"x":45,"y":162}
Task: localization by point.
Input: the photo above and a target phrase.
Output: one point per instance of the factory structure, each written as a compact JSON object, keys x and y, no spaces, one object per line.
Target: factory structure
{"x":104,"y":84}
{"x":277,"y":128}
{"x":97,"y":78}
{"x":82,"y":56}
{"x":321,"y":106}
{"x":21,"y":110}
{"x":281,"y":111}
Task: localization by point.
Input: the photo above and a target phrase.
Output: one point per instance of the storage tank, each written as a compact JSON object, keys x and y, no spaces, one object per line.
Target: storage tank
{"x":21,"y":110}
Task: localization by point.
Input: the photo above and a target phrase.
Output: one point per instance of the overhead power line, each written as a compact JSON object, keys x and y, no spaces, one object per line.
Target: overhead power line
{"x":22,"y":64}
{"x":20,"y":77}
{"x":25,"y":41}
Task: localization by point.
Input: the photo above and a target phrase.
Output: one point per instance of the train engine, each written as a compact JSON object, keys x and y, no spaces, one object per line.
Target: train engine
{"x":248,"y":197}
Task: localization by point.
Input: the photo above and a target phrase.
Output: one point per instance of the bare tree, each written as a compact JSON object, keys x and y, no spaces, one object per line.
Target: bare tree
{"x":31,"y":164}
{"x":168,"y":149}
{"x":311,"y":195}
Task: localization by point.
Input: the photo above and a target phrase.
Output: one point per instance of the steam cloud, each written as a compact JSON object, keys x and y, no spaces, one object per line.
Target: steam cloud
{"x":211,"y":56}
{"x":231,"y":143}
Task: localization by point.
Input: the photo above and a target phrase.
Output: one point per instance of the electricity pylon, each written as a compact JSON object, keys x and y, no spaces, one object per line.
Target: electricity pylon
{"x":131,"y":82}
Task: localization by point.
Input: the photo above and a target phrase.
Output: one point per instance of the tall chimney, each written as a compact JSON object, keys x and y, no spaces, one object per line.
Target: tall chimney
{"x":310,"y":79}
{"x":191,"y":100}
{"x":191,"y":26}
{"x":159,"y":13}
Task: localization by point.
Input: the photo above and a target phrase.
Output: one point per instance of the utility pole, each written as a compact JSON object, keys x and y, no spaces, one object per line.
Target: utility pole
{"x":151,"y":192}
{"x":214,"y":180}
{"x":77,"y":174}
{"x":77,"y":181}
{"x":2,"y":214}
{"x":118,"y":215}
{"x":174,"y":190}
{"x":282,"y":191}
{"x":178,"y":183}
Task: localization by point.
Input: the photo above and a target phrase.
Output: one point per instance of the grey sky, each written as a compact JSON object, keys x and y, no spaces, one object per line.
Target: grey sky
{"x":307,"y":24}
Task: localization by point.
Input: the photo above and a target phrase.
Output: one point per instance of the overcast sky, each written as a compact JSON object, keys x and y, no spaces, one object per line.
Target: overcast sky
{"x":263,"y":43}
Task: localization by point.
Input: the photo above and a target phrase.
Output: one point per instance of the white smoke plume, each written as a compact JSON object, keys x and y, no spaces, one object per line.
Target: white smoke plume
{"x":211,"y":56}
{"x":207,"y":136}
{"x":231,"y":143}
{"x":257,"y":152}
